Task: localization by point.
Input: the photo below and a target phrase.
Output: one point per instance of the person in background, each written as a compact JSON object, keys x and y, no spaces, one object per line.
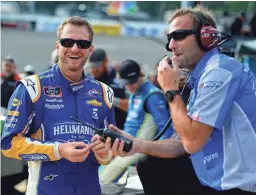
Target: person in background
{"x":9,"y":77}
{"x":147,"y":115}
{"x":28,"y":71}
{"x":237,"y":25}
{"x":99,"y":69}
{"x":253,"y":24}
{"x":54,"y":58}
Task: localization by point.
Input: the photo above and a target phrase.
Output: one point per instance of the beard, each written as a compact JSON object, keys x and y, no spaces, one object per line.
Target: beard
{"x":182,"y":63}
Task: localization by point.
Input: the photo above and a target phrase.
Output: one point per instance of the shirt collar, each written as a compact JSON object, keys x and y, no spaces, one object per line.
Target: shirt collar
{"x":200,"y":67}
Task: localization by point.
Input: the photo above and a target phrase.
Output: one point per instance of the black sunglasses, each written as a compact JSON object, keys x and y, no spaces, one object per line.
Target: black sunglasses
{"x":179,"y":35}
{"x":82,"y":44}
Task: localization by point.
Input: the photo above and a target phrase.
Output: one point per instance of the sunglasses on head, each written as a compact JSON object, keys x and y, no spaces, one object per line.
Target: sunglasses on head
{"x":178,"y":35}
{"x":82,"y":44}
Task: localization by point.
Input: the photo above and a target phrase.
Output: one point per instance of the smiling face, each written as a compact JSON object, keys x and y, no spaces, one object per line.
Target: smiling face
{"x":186,"y":52}
{"x":73,"y":58}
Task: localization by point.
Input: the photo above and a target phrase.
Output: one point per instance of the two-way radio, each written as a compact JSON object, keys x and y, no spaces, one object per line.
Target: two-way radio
{"x":105,"y":133}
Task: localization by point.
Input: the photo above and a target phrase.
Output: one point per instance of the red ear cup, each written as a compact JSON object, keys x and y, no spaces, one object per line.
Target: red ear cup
{"x":209,"y":37}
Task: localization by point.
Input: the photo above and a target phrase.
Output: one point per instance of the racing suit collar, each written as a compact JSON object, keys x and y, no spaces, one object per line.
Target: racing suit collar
{"x":200,"y":66}
{"x":64,"y":80}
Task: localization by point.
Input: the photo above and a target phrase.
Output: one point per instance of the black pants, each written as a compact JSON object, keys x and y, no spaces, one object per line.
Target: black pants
{"x":168,"y":176}
{"x":8,"y":182}
{"x":209,"y":191}
{"x":174,"y":177}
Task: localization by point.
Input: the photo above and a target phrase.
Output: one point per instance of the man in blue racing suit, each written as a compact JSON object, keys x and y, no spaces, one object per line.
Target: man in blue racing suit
{"x":39,"y":129}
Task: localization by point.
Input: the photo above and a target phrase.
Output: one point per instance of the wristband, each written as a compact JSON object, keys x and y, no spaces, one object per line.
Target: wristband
{"x":116,"y":102}
{"x":109,"y":157}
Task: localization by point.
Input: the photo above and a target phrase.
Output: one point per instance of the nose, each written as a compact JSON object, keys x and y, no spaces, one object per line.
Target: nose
{"x":173,"y":44}
{"x":75,"y":47}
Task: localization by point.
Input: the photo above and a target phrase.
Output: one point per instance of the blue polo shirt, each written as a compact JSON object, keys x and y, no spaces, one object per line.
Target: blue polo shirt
{"x":223,"y":96}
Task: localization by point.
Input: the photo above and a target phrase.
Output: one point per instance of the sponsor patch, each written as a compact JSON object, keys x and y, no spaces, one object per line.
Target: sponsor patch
{"x":16,"y":102}
{"x":94,"y":92}
{"x":76,"y":88}
{"x":52,"y":91}
{"x":212,"y":84}
{"x":54,"y":106}
{"x":34,"y":157}
{"x":95,"y":113}
{"x":13,"y":113}
{"x":94,"y":102}
{"x":46,"y":76}
{"x":54,"y":100}
{"x":12,"y":120}
{"x":9,"y":125}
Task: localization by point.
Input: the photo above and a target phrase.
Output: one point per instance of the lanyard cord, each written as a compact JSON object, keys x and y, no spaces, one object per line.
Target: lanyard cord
{"x":169,"y":122}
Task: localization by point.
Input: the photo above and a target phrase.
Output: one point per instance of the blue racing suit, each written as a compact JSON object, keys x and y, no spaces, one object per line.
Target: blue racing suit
{"x":147,"y":115}
{"x":39,"y":119}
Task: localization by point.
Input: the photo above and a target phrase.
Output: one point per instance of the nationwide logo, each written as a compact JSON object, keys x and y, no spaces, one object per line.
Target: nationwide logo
{"x":94,"y":102}
{"x":16,"y":102}
{"x":52,"y":91}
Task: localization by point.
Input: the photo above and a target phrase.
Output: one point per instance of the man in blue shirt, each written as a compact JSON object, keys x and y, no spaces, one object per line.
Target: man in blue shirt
{"x":218,"y":128}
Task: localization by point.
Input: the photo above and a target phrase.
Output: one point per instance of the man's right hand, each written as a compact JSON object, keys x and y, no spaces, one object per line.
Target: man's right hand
{"x":74,"y":151}
{"x":118,"y":146}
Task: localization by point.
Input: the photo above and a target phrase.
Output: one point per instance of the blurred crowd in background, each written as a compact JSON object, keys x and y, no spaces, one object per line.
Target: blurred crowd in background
{"x":239,"y":19}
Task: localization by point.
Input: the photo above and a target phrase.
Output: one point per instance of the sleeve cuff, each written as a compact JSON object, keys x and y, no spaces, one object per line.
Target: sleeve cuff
{"x":56,"y":150}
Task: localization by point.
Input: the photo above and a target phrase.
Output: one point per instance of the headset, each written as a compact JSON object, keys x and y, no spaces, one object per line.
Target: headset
{"x":207,"y":36}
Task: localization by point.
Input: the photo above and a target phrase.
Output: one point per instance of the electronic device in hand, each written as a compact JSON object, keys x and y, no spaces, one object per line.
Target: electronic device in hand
{"x":105,"y":133}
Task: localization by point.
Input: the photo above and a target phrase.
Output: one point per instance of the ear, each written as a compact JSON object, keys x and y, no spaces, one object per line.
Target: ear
{"x":91,"y":49}
{"x":57,"y":45}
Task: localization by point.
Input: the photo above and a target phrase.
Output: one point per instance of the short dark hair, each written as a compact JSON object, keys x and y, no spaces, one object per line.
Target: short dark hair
{"x":192,"y":12}
{"x":77,"y":21}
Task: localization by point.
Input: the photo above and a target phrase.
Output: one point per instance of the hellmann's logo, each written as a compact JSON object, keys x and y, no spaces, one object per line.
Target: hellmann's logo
{"x":94,"y":102}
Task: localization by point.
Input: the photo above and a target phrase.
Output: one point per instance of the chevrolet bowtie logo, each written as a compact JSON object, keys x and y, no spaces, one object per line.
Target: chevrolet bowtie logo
{"x":50,"y":177}
{"x":94,"y":102}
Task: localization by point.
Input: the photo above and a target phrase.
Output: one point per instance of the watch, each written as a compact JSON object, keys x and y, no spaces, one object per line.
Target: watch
{"x":169,"y":95}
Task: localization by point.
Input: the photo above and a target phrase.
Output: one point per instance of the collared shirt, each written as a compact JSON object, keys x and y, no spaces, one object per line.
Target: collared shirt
{"x":224,"y":97}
